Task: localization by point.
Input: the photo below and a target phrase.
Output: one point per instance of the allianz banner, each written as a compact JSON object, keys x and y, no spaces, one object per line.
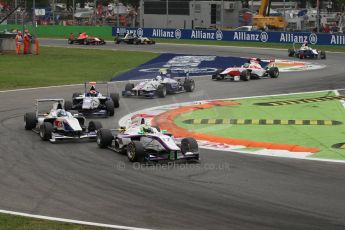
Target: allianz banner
{"x":226,"y":35}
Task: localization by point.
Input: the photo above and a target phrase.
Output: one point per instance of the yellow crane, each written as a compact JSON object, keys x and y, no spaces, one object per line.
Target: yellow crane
{"x":263,"y":18}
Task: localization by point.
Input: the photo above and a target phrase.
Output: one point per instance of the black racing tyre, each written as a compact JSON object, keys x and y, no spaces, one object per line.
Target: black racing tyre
{"x":217,"y":76}
{"x":291,"y":52}
{"x":161,"y":90}
{"x":245,"y":75}
{"x":135,"y":152}
{"x":77,"y":94}
{"x":129,"y":86}
{"x":189,"y":85}
{"x":94,"y":126}
{"x":30,"y":121}
{"x":116,"y":98}
{"x":273,"y":72}
{"x":157,"y":127}
{"x":104,"y":138}
{"x":323,"y":55}
{"x":110,"y":107}
{"x":46,"y":130}
{"x":68,"y":105}
{"x":189,"y":144}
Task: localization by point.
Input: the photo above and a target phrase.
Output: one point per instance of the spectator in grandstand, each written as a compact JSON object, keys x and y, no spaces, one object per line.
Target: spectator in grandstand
{"x":323,"y":21}
{"x":326,"y":29}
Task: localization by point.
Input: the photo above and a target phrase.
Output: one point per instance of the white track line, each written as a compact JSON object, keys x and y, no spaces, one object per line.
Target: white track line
{"x":71,"y":221}
{"x":57,"y":86}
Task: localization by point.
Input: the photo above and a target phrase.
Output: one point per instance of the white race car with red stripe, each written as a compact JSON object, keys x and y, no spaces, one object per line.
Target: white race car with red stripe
{"x":249,"y":70}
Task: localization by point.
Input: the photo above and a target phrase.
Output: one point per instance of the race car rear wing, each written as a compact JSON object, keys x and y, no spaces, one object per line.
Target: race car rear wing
{"x":88,"y":83}
{"x":58,"y":104}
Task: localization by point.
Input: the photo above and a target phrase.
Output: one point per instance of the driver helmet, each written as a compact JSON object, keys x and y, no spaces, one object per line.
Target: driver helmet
{"x":61,"y":113}
{"x":246,"y":65}
{"x":254,"y":60}
{"x":158,"y":78}
{"x":147,"y":129}
{"x":163,"y":71}
{"x":93,"y":91}
{"x":305,"y":43}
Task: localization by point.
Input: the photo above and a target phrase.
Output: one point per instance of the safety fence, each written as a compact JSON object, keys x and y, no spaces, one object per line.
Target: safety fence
{"x":216,"y":35}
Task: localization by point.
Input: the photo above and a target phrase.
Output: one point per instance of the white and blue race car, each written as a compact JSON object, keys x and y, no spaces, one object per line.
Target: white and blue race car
{"x":307,"y":52}
{"x":159,"y":86}
{"x":59,"y":124}
{"x":92,"y":102}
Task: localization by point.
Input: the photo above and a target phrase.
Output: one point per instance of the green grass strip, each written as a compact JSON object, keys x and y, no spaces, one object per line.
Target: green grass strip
{"x":11,"y":222}
{"x":59,"y":66}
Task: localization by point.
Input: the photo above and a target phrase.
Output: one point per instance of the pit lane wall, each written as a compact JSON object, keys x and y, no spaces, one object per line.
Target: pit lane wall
{"x":243,"y":36}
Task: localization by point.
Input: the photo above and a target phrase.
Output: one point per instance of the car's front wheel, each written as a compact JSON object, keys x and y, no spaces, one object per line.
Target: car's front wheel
{"x":189,"y":144}
{"x":116,"y":98}
{"x":110,"y":107}
{"x":129,"y":86}
{"x":161,"y":90}
{"x":135,"y":151}
{"x":46,"y":130}
{"x":68,"y":105}
{"x":104,"y":138}
{"x":245,"y":75}
{"x":30,"y":120}
{"x":189,"y":85}
{"x":273,"y":72}
{"x":94,"y":126}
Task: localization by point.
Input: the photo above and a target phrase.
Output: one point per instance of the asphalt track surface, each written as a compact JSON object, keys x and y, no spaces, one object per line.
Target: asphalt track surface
{"x":225,"y":191}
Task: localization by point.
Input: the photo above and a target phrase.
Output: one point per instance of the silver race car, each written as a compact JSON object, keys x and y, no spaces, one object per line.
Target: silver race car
{"x":145,"y":143}
{"x":58,"y":124}
{"x":159,"y":86}
{"x":94,"y":103}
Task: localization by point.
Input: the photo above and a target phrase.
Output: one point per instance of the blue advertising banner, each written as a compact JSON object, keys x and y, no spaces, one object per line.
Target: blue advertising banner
{"x":226,"y":35}
{"x":180,"y":65}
